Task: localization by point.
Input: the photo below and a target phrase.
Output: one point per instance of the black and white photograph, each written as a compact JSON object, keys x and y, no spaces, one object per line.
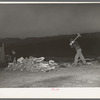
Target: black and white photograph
{"x":49,"y":45}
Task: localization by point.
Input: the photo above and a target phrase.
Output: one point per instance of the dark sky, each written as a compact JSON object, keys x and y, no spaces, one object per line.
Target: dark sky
{"x":47,"y":20}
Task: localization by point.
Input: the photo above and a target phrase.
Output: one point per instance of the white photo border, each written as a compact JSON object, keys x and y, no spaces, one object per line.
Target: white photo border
{"x":65,"y":93}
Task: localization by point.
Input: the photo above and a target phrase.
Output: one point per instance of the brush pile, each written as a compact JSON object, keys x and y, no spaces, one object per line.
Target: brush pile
{"x":32,"y":64}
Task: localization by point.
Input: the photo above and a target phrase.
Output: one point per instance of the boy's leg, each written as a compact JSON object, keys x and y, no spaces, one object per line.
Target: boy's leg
{"x":76,"y":57}
{"x":82,"y":58}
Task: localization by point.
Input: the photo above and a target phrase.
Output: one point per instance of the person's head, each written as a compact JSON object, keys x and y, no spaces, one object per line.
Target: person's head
{"x":13,"y":52}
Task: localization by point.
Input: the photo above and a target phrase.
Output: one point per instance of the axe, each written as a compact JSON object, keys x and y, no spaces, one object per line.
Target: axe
{"x":78,"y":35}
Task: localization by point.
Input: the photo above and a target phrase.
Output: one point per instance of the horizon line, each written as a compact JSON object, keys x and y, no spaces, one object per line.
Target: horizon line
{"x":46,"y":36}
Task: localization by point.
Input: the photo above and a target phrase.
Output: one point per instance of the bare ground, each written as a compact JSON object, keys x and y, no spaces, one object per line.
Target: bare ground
{"x":84,"y":76}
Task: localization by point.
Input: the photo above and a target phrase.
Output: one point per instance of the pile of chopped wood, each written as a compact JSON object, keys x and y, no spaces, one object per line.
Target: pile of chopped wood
{"x":32,"y":64}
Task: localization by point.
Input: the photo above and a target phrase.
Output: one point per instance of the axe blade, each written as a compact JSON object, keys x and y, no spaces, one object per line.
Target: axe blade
{"x":79,"y":35}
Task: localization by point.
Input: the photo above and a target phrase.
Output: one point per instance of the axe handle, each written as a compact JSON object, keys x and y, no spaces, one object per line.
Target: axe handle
{"x":75,"y":38}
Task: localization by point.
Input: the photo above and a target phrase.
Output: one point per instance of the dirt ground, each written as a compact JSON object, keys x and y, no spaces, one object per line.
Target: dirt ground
{"x":82,"y":76}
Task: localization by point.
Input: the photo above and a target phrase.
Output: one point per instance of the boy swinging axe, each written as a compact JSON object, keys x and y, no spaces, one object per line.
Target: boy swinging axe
{"x":75,"y":44}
